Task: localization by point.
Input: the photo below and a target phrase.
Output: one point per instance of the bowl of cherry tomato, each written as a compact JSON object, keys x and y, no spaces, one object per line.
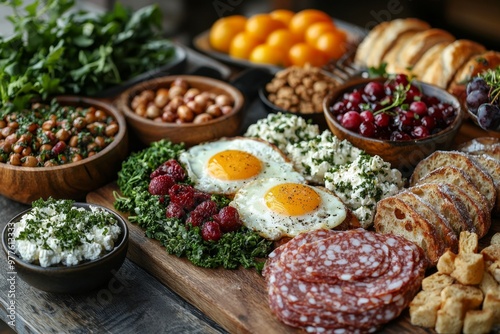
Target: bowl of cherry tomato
{"x":399,"y":119}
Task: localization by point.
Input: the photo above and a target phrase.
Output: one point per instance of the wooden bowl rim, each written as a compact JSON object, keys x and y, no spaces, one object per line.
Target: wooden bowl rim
{"x":88,"y":102}
{"x":123,"y":100}
{"x":123,"y":237}
{"x":457,"y":122}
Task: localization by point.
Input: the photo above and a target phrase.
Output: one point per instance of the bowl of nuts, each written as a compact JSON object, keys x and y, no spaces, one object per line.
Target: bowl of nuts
{"x":300,"y":91}
{"x":184,"y":108}
{"x":401,"y":120}
{"x":61,"y":149}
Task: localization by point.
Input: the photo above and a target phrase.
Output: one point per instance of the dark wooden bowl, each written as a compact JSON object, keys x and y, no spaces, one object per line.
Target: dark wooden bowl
{"x":75,"y":279}
{"x":473,"y":117}
{"x":73,"y":180}
{"x":190,"y":134}
{"x":403,"y":155}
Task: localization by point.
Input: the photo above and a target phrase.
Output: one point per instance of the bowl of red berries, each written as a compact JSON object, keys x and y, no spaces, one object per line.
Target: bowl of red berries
{"x":400,"y":119}
{"x":483,"y":100}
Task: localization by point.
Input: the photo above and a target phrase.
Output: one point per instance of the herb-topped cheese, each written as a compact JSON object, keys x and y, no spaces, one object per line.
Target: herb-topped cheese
{"x":55,"y":231}
{"x":314,"y":157}
{"x":281,"y":129}
{"x":362,"y":183}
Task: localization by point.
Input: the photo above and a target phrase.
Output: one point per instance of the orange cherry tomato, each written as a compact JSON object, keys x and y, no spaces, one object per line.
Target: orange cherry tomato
{"x":305,"y":18}
{"x":283,"y":15}
{"x":268,"y":54}
{"x":317,"y":29}
{"x":332,"y":43}
{"x":242,"y":45}
{"x":302,"y":53}
{"x":261,"y":25}
{"x":223,"y":31}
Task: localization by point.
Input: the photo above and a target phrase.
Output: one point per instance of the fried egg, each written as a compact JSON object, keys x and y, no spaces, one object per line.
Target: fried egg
{"x":276,"y":208}
{"x":226,"y":165}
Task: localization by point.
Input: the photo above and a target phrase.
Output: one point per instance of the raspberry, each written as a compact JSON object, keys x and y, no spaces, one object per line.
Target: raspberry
{"x":200,"y":196}
{"x":195,"y":219}
{"x":175,"y":211}
{"x":228,"y":219}
{"x":207,"y":209}
{"x":182,"y":195}
{"x":160,"y":185}
{"x":210,"y":231}
{"x":172,"y":168}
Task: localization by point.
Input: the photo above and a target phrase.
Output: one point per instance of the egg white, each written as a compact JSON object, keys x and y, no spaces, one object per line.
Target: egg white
{"x":274,"y":164}
{"x":256,"y":215}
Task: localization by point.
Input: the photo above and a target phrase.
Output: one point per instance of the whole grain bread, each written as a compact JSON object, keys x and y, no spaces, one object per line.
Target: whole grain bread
{"x":480,"y":177}
{"x":395,"y":216}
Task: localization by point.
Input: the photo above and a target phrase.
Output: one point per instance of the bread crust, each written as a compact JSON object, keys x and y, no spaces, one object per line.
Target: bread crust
{"x":391,"y":57}
{"x":492,"y":166}
{"x":365,"y":46}
{"x":428,"y":59}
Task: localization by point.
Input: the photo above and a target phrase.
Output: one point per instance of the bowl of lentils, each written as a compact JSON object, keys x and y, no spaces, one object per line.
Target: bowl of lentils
{"x":398,"y":118}
{"x":64,"y":148}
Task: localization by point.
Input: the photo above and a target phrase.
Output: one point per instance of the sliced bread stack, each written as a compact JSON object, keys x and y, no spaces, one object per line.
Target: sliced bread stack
{"x":450,"y":192}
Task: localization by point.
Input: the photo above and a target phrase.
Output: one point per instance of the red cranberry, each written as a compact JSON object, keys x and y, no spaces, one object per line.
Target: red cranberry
{"x":175,"y":211}
{"x":420,"y":132}
{"x":367,"y":116}
{"x":382,"y":120}
{"x":412,"y":93}
{"x":355,"y":97}
{"x":367,"y":129}
{"x":428,"y":122}
{"x":374,"y":90}
{"x":210,"y":231}
{"x":161,"y":185}
{"x":338,"y":107}
{"x":396,"y":135}
{"x":401,"y":79}
{"x":207,"y":209}
{"x":182,"y":195}
{"x":170,"y":167}
{"x":351,"y":120}
{"x":419,"y":108}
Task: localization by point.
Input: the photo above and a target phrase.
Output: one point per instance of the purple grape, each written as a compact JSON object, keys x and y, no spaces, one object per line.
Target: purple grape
{"x":475,"y":99}
{"x":488,"y":116}
{"x":477,"y":83}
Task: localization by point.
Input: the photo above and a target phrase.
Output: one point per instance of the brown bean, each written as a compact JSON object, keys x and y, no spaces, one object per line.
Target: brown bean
{"x":223,"y":100}
{"x":92,"y":153}
{"x":90,"y":117}
{"x":5,"y":146}
{"x":161,"y":98}
{"x":49,"y":163}
{"x":136,"y":101}
{"x":101,"y":115}
{"x":185,"y":113}
{"x":45,"y":147}
{"x":195,"y":107}
{"x":26,"y":151}
{"x":175,"y":103}
{"x":18,"y":147}
{"x":226,"y":110}
{"x":176,"y":91}
{"x":92,"y":146}
{"x":29,"y":161}
{"x":191,"y":94}
{"x":73,"y":142}
{"x":141,"y":110}
{"x":26,"y":138}
{"x":6,"y":131}
{"x":112,"y":130}
{"x":214,"y":110}
{"x":63,"y":134}
{"x":96,"y":128}
{"x":152,"y":111}
{"x":14,"y":125}
{"x":168,"y":116}
{"x":201,"y":100}
{"x":48,"y":125}
{"x":202,"y":118}
{"x":76,"y":157}
{"x":179,"y":82}
{"x":12,"y":138}
{"x":53,"y":118}
{"x":147,"y":95}
{"x":32,"y":127}
{"x":15,"y":159}
{"x":3,"y":124}
{"x":100,"y":141}
{"x":79,"y":123}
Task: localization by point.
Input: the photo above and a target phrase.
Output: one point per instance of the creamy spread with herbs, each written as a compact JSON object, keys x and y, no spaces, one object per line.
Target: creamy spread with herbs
{"x":56,"y":232}
{"x":362,"y":183}
{"x":281,"y":129}
{"x":314,"y":157}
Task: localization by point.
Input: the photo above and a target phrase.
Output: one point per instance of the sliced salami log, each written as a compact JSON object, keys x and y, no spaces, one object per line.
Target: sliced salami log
{"x":343,"y":281}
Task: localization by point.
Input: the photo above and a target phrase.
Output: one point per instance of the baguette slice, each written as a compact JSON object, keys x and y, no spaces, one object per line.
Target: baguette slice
{"x":419,"y":44}
{"x":446,"y":204}
{"x":493,"y":167}
{"x":451,"y":59}
{"x":428,"y":58}
{"x":366,"y":45}
{"x":481,"y":219}
{"x":440,"y":223}
{"x":388,"y":38}
{"x":395,"y":216}
{"x":391,"y":57}
{"x":459,"y":178}
{"x":481,"y":178}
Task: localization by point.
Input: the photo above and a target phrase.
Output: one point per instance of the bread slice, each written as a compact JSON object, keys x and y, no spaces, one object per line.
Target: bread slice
{"x":388,"y":38}
{"x":440,"y":223}
{"x":395,"y":216}
{"x":460,"y":178}
{"x":451,"y":59}
{"x":492,"y":166}
{"x":428,"y":58}
{"x":391,"y":57}
{"x":481,"y":178}
{"x":445,"y":204}
{"x":366,"y":45}
{"x":419,"y":44}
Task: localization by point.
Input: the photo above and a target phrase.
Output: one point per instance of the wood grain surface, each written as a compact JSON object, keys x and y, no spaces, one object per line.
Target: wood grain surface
{"x":235,"y":299}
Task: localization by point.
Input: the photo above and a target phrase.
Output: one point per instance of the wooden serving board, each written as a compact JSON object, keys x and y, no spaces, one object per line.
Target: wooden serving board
{"x":236,"y":299}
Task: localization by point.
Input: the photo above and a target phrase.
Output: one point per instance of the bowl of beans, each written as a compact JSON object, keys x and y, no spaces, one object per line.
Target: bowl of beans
{"x":399,"y":119}
{"x":185,"y":108}
{"x":63,"y":148}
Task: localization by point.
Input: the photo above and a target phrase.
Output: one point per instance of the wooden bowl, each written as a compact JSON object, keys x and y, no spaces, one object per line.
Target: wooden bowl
{"x":403,"y":155}
{"x":75,"y":279}
{"x":73,"y":180}
{"x":190,"y":134}
{"x":490,"y":132}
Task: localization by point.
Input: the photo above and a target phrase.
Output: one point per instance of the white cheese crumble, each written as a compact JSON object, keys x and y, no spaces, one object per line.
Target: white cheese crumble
{"x":314,"y":157}
{"x":281,"y":129}
{"x":59,"y":233}
{"x":362,"y":183}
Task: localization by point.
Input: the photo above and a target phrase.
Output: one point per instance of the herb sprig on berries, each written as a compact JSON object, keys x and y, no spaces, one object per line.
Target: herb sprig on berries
{"x":239,"y":248}
{"x":492,"y":78}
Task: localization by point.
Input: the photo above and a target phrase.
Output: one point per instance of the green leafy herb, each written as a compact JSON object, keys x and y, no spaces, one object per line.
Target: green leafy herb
{"x":492,"y":78}
{"x":241,"y":248}
{"x":399,"y":97}
{"x":376,"y":72}
{"x":54,"y":51}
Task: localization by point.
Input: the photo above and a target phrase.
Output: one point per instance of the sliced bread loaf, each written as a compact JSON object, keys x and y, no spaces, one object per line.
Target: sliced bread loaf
{"x":493,"y":167}
{"x":443,"y":228}
{"x":445,"y":204}
{"x":395,"y":216}
{"x":460,"y":178}
{"x":480,"y":177}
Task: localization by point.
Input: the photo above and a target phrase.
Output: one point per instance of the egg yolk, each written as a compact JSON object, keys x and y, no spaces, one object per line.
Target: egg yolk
{"x":232,"y":165}
{"x":292,"y":199}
